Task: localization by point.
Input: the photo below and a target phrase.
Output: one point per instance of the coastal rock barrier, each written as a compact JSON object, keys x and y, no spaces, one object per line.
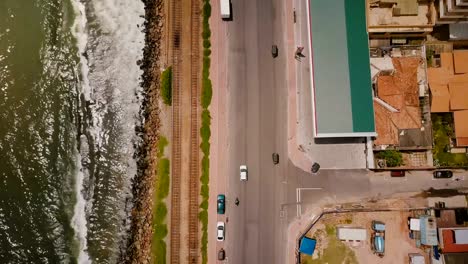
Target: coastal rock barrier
{"x":137,"y":248}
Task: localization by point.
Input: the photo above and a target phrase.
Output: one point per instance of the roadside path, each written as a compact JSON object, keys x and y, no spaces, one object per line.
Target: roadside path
{"x":219,"y":128}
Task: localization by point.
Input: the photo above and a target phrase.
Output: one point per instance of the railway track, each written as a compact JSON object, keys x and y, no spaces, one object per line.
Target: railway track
{"x":176,"y":27}
{"x":194,"y":188}
{"x":194,"y":161}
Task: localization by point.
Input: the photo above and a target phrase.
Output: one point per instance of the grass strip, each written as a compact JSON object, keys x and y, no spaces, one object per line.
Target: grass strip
{"x":161,"y":186}
{"x":166,"y":85}
{"x":205,"y":132}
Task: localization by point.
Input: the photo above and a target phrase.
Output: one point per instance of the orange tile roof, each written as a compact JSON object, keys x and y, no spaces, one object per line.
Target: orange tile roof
{"x":459,"y":78}
{"x":458,"y":96}
{"x":440,"y":98}
{"x":386,"y":86}
{"x":446,"y":61}
{"x":438,"y":76}
{"x":460,"y":59}
{"x":396,"y":100}
{"x":460,"y":119}
{"x":387,"y":132}
{"x":400,"y":91}
{"x":462,"y":141}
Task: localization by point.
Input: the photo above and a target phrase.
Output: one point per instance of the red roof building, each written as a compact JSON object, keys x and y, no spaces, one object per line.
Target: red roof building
{"x":448,"y":240}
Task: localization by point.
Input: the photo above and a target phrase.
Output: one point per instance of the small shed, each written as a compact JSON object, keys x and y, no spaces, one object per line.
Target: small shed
{"x":351,"y":234}
{"x":307,"y":246}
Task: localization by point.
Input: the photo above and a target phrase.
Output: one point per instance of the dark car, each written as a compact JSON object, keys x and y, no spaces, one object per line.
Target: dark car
{"x":443,"y":174}
{"x":315,"y":167}
{"x":221,"y":203}
{"x":397,"y":173}
{"x":275,"y":158}
{"x":221,"y":254}
{"x":274,"y":51}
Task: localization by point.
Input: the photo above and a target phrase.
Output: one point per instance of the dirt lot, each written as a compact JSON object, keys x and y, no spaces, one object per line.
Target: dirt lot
{"x":332,"y":251}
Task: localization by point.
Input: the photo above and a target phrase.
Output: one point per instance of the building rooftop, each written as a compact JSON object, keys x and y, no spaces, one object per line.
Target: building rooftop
{"x":458,"y":96}
{"x":342,"y":90}
{"x":460,"y":60}
{"x":400,"y":108}
{"x":460,"y":119}
{"x":447,"y":219}
{"x":448,"y":244}
{"x":400,"y":17}
{"x":440,"y":98}
{"x":428,"y":230}
{"x":452,"y":77}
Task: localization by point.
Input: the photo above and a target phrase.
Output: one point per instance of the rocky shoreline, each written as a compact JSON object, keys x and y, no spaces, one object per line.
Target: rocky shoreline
{"x":138,"y":246}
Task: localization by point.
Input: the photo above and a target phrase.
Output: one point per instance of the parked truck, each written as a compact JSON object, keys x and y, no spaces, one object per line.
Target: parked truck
{"x":225,"y":9}
{"x":378,"y":238}
{"x":378,"y":244}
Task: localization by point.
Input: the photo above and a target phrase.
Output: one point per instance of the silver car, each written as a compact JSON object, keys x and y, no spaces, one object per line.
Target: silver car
{"x":220,"y":231}
{"x":243,"y":172}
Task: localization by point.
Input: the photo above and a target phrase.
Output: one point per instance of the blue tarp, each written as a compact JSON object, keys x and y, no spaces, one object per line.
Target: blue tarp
{"x":436,"y":252}
{"x":307,"y":246}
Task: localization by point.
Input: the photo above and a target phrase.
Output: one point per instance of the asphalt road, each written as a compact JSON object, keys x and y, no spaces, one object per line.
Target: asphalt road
{"x":257,"y":116}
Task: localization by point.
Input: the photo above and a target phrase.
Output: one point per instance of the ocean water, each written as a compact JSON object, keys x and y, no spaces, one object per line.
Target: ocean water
{"x":69,"y":104}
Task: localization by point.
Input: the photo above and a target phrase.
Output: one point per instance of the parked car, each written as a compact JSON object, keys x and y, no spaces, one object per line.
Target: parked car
{"x":275,"y":158}
{"x":397,"y":173}
{"x":243,"y":172}
{"x":221,"y":203}
{"x":315,"y":167}
{"x":220,"y":228}
{"x":274,"y":51}
{"x":441,"y":174}
{"x":221,"y":254}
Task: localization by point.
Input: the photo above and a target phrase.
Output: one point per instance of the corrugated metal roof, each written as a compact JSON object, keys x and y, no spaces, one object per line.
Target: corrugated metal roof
{"x":428,"y":231}
{"x":340,"y":69}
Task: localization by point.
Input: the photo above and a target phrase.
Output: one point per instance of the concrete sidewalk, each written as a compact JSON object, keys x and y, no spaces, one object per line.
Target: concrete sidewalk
{"x":219,"y":123}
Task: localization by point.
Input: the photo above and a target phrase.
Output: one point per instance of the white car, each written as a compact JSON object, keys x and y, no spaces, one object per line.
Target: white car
{"x":220,"y":228}
{"x":243,"y":172}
